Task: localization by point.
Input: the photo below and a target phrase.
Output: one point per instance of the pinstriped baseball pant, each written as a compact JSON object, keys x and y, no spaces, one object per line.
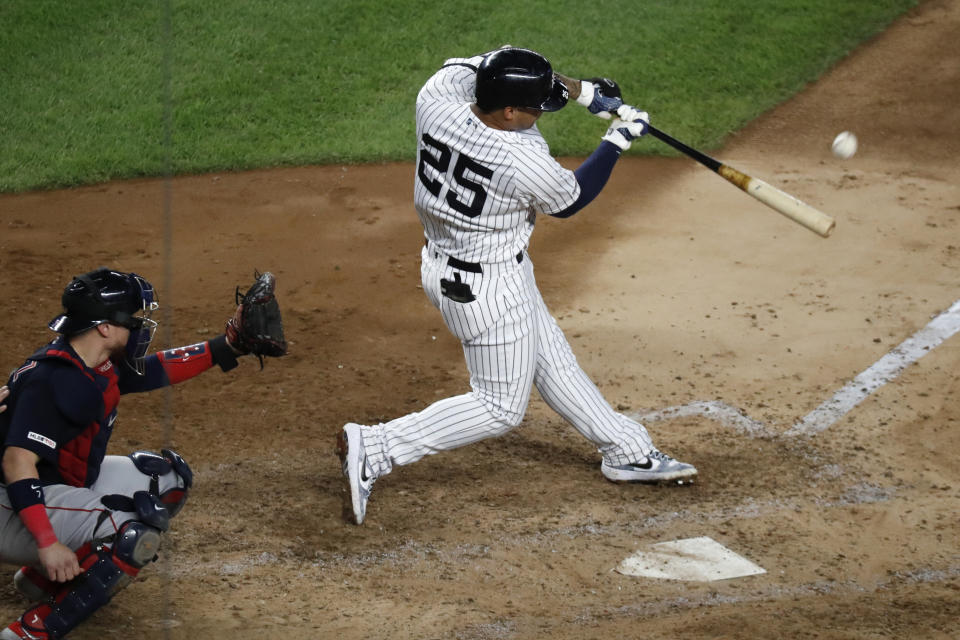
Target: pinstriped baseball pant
{"x":510,"y":343}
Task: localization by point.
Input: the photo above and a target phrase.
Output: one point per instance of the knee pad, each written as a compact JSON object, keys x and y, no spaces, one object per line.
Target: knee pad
{"x":148,"y":507}
{"x":151,"y":511}
{"x":136,"y":545}
{"x":157,"y":466}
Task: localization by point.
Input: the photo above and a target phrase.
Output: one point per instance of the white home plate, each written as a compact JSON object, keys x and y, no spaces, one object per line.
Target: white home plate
{"x":699,"y":559}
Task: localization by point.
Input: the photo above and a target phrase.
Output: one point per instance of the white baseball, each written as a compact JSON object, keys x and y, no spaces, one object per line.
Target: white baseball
{"x":844,"y":145}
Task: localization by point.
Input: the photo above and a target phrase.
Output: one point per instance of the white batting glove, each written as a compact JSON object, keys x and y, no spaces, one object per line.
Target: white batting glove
{"x":630,"y":125}
{"x":630,"y":114}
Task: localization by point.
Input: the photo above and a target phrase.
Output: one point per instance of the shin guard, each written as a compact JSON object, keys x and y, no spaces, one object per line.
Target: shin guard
{"x":107,"y":571}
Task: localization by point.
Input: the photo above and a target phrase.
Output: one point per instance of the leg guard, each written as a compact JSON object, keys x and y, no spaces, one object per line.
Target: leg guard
{"x":155,"y":466}
{"x":33,"y":585}
{"x":36,"y":587}
{"x":29,"y":625}
{"x":107,"y":571}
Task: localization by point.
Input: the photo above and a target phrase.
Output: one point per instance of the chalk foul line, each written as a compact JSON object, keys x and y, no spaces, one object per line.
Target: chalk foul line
{"x":886,"y":369}
{"x":883,"y":371}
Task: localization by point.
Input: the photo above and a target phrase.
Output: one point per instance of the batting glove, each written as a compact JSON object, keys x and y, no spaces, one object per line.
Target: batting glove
{"x":630,"y":125}
{"x":600,"y":96}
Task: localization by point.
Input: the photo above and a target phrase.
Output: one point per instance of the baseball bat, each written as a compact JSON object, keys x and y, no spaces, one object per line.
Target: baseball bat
{"x":784,"y":203}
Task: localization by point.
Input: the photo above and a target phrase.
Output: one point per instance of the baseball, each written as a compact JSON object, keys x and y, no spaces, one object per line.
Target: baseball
{"x":844,"y":145}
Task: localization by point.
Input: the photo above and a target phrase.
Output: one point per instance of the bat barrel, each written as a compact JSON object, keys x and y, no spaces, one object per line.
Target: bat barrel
{"x":797,"y":210}
{"x":793,"y":208}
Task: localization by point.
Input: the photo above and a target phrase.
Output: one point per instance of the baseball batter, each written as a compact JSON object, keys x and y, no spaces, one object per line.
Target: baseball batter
{"x":484,"y":173}
{"x":81,"y":524}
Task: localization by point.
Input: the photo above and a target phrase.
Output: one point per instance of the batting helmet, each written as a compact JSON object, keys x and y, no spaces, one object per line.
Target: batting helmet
{"x":104,"y":295}
{"x":514,"y":77}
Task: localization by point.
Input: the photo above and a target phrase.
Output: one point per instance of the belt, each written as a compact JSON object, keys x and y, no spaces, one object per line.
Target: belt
{"x":472,"y":267}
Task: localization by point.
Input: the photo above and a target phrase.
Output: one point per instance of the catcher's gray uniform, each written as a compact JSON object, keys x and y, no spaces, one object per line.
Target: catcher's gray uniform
{"x":77,"y":514}
{"x":82,"y":523}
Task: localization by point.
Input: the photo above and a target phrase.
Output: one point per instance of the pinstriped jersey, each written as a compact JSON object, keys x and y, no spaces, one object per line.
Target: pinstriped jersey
{"x":478,"y":189}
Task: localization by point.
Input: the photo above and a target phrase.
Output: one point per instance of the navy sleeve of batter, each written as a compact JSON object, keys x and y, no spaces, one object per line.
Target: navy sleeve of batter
{"x":592,"y":176}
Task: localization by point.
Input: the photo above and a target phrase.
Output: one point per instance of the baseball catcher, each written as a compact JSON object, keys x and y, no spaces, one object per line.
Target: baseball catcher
{"x":81,"y":524}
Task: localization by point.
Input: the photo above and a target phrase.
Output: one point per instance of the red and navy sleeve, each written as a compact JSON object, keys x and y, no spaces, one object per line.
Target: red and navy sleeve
{"x":173,"y":366}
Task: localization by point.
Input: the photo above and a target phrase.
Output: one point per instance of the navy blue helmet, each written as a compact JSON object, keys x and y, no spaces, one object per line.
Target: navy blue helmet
{"x":114,"y":297}
{"x":515,"y":77}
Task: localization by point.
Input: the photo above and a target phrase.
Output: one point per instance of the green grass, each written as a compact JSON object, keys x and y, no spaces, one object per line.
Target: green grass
{"x":86,"y":87}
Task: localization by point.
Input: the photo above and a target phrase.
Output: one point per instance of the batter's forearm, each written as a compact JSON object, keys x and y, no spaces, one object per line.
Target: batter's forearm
{"x":592,"y":176}
{"x":572,"y":85}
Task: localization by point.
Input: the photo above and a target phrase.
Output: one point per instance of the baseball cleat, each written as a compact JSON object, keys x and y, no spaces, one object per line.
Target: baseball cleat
{"x":359,"y":483}
{"x":657,"y":468}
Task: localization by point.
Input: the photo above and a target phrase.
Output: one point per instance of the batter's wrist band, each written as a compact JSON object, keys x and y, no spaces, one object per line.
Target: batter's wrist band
{"x":586,"y":93}
{"x":222,"y":354}
{"x":27,"y":499}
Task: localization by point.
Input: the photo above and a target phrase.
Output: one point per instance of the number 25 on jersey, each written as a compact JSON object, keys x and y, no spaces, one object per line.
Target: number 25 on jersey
{"x":467,"y":196}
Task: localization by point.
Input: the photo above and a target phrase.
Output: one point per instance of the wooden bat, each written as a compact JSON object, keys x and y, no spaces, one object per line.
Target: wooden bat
{"x":798,"y":211}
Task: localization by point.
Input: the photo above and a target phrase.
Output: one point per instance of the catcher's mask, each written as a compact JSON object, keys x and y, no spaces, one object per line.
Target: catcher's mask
{"x":104,"y":295}
{"x":514,"y":77}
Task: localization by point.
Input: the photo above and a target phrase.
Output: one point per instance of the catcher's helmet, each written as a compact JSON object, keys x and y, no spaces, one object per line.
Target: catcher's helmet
{"x":104,"y":295}
{"x":514,"y":77}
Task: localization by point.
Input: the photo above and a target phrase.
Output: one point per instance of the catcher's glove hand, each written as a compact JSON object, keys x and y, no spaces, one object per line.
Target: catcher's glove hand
{"x":257,"y":327}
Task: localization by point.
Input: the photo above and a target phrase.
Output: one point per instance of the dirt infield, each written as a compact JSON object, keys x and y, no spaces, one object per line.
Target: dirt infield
{"x":681,"y":296}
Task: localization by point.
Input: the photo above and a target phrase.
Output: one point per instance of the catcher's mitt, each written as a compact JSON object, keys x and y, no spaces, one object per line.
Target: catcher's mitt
{"x":257,"y":327}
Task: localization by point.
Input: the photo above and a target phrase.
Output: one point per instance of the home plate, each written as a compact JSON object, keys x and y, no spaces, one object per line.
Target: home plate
{"x":699,"y":559}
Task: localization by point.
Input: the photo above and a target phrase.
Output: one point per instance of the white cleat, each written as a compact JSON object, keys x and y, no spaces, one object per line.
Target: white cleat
{"x":359,"y":481}
{"x":657,"y":468}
